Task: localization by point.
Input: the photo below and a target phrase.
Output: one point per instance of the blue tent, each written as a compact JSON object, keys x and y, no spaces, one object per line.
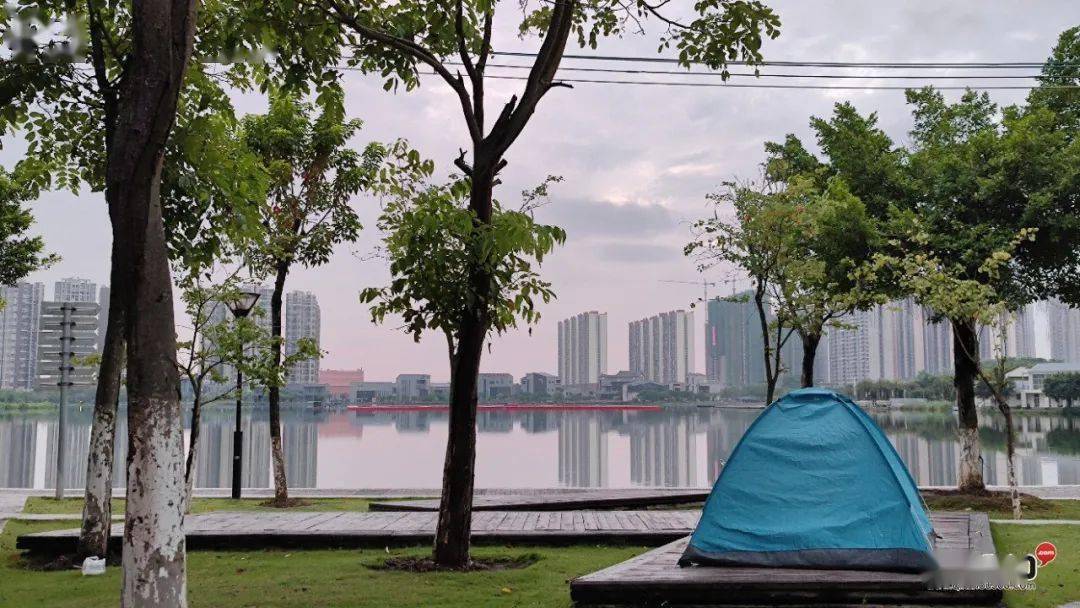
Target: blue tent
{"x":814,"y":483}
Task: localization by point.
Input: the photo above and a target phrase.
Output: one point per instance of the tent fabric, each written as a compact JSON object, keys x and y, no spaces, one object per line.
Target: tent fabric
{"x":814,"y":483}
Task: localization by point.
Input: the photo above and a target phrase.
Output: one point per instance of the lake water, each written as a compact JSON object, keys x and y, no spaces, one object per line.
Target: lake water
{"x":677,"y":446}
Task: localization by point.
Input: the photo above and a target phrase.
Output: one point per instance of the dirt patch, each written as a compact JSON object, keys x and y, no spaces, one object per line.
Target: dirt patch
{"x":485,"y":564}
{"x":955,"y":500}
{"x":284,"y":504}
{"x":55,"y":563}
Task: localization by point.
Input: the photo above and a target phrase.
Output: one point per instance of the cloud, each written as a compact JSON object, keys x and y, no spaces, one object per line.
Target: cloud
{"x":586,"y":219}
{"x":639,"y":253}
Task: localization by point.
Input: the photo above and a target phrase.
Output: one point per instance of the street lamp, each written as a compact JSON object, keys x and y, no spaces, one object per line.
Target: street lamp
{"x":240,"y":306}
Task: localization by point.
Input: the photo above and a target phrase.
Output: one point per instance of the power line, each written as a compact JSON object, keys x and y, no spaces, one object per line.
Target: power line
{"x":814,"y":64}
{"x":775,"y":86}
{"x":773,"y":75}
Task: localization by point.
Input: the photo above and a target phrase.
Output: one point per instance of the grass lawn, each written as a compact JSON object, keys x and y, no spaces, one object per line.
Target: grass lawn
{"x":317,"y":578}
{"x":1059,"y":582}
{"x":277,"y":578}
{"x":999,"y":507}
{"x":42,"y":504}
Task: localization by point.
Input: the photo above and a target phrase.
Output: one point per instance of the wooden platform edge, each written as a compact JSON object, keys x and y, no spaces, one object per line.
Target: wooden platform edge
{"x":635,"y":502}
{"x":208,"y":541}
{"x":603,"y":589}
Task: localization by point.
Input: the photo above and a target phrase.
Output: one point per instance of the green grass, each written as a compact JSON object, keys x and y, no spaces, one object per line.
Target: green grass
{"x":999,"y":507}
{"x":29,"y":406}
{"x":318,"y":578}
{"x":276,"y":578}
{"x":41,"y":504}
{"x":1059,"y":582}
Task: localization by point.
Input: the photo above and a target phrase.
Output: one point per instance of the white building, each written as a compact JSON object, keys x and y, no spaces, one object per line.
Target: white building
{"x":74,"y":289}
{"x":1028,"y":384}
{"x":19,"y":322}
{"x":539,"y":383}
{"x":583,"y":348}
{"x":302,"y":321}
{"x":494,"y":385}
{"x":662,"y":347}
{"x":413,"y":386}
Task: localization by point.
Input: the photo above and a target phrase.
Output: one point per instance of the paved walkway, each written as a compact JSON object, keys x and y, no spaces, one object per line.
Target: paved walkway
{"x":585,"y":499}
{"x":233,"y":530}
{"x":11,"y":503}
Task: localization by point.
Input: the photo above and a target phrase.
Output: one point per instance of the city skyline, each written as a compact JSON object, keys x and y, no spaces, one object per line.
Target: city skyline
{"x":895,"y":341}
{"x":631,"y":187}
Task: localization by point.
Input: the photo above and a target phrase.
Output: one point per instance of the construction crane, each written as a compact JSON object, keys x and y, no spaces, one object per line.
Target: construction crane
{"x":705,"y":285}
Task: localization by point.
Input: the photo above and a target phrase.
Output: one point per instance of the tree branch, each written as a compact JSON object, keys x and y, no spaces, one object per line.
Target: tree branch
{"x":415,"y":51}
{"x":513,"y":120}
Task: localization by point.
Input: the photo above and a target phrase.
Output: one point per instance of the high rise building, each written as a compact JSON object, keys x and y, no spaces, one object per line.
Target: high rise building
{"x":849,"y":349}
{"x":933,"y":343}
{"x":583,"y":348}
{"x":302,"y":321}
{"x":662,"y":347}
{"x":19,"y":322}
{"x":583,"y":452}
{"x":75,"y":290}
{"x":1063,"y":326}
{"x":733,"y":342}
{"x":1018,"y":339}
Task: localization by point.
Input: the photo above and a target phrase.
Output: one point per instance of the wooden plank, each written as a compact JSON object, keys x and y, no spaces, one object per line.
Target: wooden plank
{"x":654,"y":578}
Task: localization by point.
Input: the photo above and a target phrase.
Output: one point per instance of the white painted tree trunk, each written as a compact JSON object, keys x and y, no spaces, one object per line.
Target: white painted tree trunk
{"x":970,"y":474}
{"x":154,"y":548}
{"x":97,"y":509}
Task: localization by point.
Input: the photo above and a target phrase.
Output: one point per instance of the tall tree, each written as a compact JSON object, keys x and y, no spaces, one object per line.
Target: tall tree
{"x":67,"y":109}
{"x":966,"y":297}
{"x":397,"y":40}
{"x":752,"y":230}
{"x":814,"y":283}
{"x":20,"y":253}
{"x":433,"y":241}
{"x":1063,"y":387}
{"x":313,"y":175}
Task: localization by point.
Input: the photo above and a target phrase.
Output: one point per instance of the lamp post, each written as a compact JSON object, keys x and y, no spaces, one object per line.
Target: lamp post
{"x":240,"y":306}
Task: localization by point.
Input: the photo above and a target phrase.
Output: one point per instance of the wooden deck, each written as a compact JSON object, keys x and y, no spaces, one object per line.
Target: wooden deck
{"x":655,"y":579}
{"x":585,"y":499}
{"x":227,"y":530}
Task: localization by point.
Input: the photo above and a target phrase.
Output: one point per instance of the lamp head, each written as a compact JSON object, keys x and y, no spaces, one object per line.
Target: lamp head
{"x":242,"y":303}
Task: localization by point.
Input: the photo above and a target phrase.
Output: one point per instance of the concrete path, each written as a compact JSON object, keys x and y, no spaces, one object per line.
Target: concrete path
{"x":11,"y":503}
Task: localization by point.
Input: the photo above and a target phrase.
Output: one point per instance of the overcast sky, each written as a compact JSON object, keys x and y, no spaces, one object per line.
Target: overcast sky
{"x":637,"y":162}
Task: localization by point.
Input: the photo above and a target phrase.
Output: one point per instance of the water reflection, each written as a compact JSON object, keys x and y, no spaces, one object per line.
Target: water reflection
{"x":674,"y":447}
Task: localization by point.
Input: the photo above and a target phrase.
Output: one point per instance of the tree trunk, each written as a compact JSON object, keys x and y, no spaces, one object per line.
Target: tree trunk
{"x":193,"y":447}
{"x":155,"y":565}
{"x":452,"y":537}
{"x":1010,"y":444}
{"x":277,"y":453}
{"x":763,"y":320}
{"x":810,"y":343}
{"x":97,"y":509}
{"x":965,"y":370}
